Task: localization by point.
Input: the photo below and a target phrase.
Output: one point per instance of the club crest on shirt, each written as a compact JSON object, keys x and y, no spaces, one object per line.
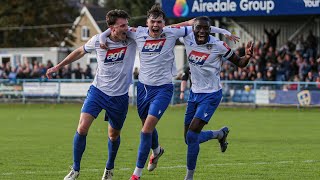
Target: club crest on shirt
{"x":124,"y":42}
{"x":197,"y":58}
{"x":152,"y":46}
{"x":209,"y":46}
{"x":163,"y":35}
{"x":115,"y":55}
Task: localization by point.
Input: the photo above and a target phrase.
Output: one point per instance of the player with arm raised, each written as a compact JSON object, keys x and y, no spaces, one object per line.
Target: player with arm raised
{"x":109,"y":90}
{"x":205,"y":54}
{"x":155,"y":89}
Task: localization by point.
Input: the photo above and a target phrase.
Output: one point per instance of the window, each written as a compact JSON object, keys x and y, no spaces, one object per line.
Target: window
{"x":85,"y":33}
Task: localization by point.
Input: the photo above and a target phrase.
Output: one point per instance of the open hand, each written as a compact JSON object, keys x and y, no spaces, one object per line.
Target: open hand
{"x":233,"y":38}
{"x":50,"y":71}
{"x":103,"y":46}
{"x":249,"y":49}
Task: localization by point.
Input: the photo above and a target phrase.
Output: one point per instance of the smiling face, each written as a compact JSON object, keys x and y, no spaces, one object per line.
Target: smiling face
{"x":201,"y":30}
{"x":119,"y":29}
{"x":155,"y":26}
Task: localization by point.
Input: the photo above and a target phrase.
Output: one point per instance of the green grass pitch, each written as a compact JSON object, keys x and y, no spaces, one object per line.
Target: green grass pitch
{"x":36,"y":143}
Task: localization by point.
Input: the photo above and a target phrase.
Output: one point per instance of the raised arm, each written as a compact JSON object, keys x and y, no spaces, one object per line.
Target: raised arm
{"x":185,"y":23}
{"x":244,"y":60}
{"x":75,"y":55}
{"x":225,"y":32}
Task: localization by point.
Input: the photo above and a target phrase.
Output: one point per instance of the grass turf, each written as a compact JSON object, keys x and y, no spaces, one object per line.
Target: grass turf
{"x":36,"y":143}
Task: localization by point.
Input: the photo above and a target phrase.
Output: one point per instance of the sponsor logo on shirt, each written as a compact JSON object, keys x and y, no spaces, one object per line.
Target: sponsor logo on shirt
{"x":115,"y":55}
{"x":197,"y":58}
{"x":153,"y":45}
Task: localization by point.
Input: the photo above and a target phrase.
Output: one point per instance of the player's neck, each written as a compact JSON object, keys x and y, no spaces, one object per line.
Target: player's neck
{"x":114,"y":38}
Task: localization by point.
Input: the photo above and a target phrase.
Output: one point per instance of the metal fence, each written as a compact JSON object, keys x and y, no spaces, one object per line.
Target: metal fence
{"x":234,"y":92}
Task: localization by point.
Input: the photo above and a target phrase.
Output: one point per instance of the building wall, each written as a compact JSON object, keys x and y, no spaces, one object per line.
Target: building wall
{"x":48,"y":53}
{"x":85,"y":21}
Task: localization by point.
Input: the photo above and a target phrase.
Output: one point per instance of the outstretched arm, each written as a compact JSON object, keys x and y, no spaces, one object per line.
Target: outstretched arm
{"x":244,"y":60}
{"x":225,"y":32}
{"x":185,"y":23}
{"x":75,"y":55}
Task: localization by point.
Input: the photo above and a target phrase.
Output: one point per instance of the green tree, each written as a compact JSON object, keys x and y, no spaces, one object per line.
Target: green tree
{"x":32,"y":19}
{"x":136,"y":8}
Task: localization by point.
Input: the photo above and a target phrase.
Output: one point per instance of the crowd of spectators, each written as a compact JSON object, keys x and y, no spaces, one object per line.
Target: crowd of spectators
{"x":294,"y":61}
{"x":36,"y":70}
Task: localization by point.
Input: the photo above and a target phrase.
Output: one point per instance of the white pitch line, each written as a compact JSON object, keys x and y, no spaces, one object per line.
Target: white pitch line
{"x":167,"y":167}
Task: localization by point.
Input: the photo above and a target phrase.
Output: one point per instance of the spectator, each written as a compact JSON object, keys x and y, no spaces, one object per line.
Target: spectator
{"x":78,"y":71}
{"x":318,"y":82}
{"x":294,"y":86}
{"x":259,"y":77}
{"x":88,"y":72}
{"x":12,"y":76}
{"x":300,"y":44}
{"x":269,"y":76}
{"x":65,"y":72}
{"x":312,"y":44}
{"x":272,"y":37}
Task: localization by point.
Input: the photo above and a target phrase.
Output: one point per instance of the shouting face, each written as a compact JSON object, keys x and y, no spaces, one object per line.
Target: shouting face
{"x":201,"y":30}
{"x":119,"y":29}
{"x":155,"y":26}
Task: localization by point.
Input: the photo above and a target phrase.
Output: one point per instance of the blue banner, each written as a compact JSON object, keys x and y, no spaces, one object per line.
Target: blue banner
{"x":215,"y":8}
{"x":305,"y":97}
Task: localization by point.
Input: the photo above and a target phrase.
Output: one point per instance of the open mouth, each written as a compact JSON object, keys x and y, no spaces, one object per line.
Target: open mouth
{"x":155,"y":30}
{"x":201,"y":37}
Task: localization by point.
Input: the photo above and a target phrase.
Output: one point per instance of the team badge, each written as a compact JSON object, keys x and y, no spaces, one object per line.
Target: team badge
{"x":209,"y":46}
{"x":304,"y":98}
{"x":125,"y":43}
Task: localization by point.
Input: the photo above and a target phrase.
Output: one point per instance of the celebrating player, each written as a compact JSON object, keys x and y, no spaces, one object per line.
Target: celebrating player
{"x":155,"y":89}
{"x":109,"y":90}
{"x":205,"y":54}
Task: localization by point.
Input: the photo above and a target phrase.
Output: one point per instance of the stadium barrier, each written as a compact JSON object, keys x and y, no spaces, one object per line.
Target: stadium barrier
{"x":234,"y":92}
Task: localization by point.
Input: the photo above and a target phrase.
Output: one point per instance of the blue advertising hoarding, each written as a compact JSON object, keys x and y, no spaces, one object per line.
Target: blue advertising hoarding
{"x":193,"y":8}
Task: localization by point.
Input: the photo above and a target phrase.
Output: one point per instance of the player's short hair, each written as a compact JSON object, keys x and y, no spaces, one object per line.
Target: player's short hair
{"x":156,"y":11}
{"x":113,"y":15}
{"x":203,"y":18}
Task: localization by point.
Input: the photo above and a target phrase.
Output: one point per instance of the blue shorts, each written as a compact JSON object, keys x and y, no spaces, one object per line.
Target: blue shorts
{"x":202,"y":106}
{"x":153,"y":100}
{"x":116,"y":106}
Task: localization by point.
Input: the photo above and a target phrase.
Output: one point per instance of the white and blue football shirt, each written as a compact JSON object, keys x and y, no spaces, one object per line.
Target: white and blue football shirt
{"x":115,"y":65}
{"x":205,"y":62}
